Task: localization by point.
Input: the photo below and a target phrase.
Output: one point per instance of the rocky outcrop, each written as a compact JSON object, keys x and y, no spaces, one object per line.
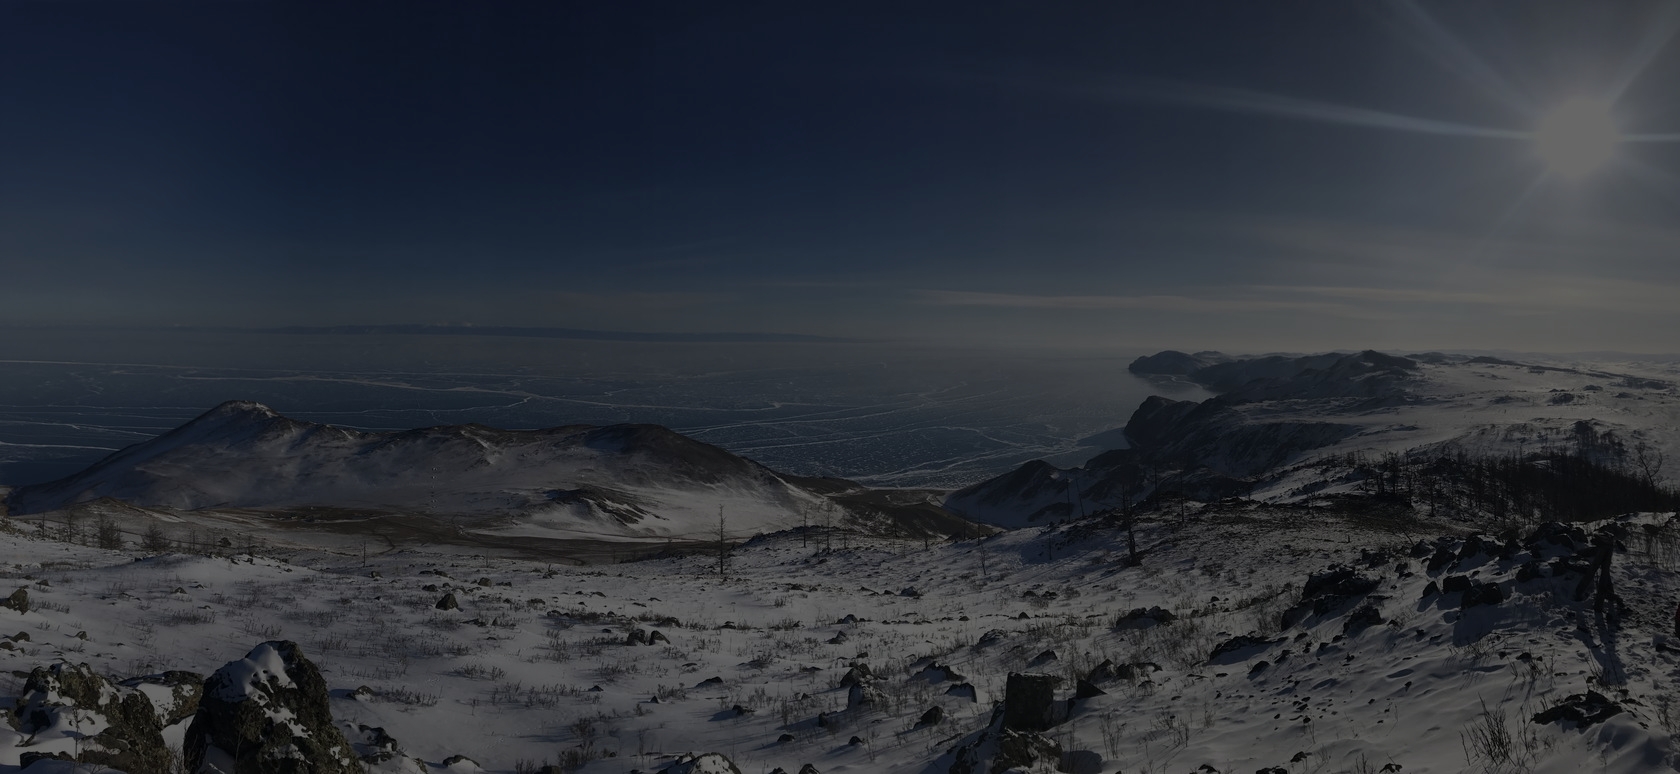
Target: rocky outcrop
{"x":1328,"y":591}
{"x":707,"y":763}
{"x":997,"y":749}
{"x":1582,"y":709}
{"x":175,"y":693}
{"x":267,"y":714}
{"x":61,"y":701}
{"x":1029,"y":702}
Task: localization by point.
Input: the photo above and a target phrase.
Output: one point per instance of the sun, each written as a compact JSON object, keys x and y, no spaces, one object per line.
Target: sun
{"x":1576,"y":138}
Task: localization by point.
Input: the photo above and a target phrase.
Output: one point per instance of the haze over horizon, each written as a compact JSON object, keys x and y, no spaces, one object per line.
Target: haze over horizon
{"x":1244,"y":177}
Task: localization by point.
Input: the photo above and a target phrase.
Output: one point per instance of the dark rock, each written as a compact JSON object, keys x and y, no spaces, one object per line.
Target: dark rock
{"x":268,"y":712}
{"x":1102,"y":673}
{"x":998,"y":749}
{"x":839,"y":638}
{"x":1041,"y":659}
{"x":933,"y":716}
{"x":855,"y":741}
{"x":963,"y":691}
{"x":186,"y":688}
{"x":1136,"y":670}
{"x":19,"y":601}
{"x":656,"y":636}
{"x":856,"y":674}
{"x":808,"y":769}
{"x":31,"y":758}
{"x":1144,"y":618}
{"x":1482,"y":594}
{"x":1082,"y":762}
{"x":1444,"y":555}
{"x":1238,"y":643}
{"x":708,"y":763}
{"x":133,"y":737}
{"x":991,"y":638}
{"x":864,"y":694}
{"x":1029,"y":702}
{"x":1583,"y":709}
{"x":448,"y":602}
{"x":938,"y":673}
{"x":636,"y":637}
{"x":784,"y":738}
{"x":1084,"y":689}
{"x":1455,"y":584}
{"x":1365,"y":616}
{"x":1433,"y":589}
{"x":1340,"y":581}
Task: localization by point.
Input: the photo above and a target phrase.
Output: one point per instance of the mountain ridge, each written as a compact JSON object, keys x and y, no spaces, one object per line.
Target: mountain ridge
{"x":632,"y":480}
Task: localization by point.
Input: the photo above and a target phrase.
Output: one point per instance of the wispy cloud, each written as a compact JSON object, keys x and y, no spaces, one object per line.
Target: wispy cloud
{"x":1157,"y":303}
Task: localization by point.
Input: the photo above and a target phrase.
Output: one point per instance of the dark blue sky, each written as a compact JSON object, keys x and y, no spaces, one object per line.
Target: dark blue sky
{"x":1237,"y":175}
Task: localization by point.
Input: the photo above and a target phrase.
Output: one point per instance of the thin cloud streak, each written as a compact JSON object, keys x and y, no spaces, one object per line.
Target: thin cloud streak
{"x":1156,"y":303}
{"x":1261,"y":103}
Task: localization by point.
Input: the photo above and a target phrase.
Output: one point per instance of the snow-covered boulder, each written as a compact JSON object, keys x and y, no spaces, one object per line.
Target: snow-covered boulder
{"x":71,"y":712}
{"x":708,"y":763}
{"x":267,"y":712}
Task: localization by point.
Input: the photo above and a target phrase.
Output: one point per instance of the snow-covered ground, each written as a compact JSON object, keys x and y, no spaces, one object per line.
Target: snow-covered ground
{"x":534,"y":666}
{"x":1502,"y":407}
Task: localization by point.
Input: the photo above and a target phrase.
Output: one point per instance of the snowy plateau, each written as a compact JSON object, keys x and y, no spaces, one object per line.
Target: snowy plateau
{"x":1349,"y":562}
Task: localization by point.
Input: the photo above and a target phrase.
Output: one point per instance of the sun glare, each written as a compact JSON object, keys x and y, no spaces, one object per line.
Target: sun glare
{"x":1576,"y":138}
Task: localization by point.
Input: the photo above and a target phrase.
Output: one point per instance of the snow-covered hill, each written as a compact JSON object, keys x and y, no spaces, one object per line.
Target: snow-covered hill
{"x":1276,"y":413}
{"x":639,"y":481}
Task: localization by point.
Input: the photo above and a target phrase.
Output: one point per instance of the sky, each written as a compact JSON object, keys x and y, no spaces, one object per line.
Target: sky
{"x":1201,"y":175}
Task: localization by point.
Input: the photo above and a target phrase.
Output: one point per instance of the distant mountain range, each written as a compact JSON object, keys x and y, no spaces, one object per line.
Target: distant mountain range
{"x":617,"y":481}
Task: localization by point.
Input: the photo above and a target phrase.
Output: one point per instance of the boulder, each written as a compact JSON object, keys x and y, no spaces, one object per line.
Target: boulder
{"x":1029,"y":702}
{"x":56,"y":705}
{"x":268,"y":713}
{"x":448,"y":602}
{"x":1144,"y":618}
{"x":934,"y":716}
{"x":1362,"y":618}
{"x":175,"y":693}
{"x":1482,"y":594}
{"x":19,"y":601}
{"x":998,"y":749}
{"x":1230,"y":649}
{"x":938,"y":673}
{"x":1582,"y":709}
{"x":706,"y":763}
{"x":864,"y":694}
{"x":856,"y":674}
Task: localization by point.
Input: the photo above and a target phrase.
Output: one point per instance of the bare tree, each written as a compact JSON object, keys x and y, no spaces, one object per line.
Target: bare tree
{"x":154,"y":541}
{"x":107,"y":534}
{"x":1648,"y":460}
{"x":723,"y":545}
